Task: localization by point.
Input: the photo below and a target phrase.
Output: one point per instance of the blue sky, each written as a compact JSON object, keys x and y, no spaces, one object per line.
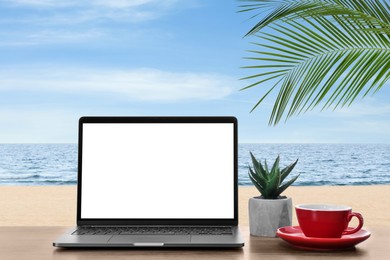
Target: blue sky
{"x":64,"y":59}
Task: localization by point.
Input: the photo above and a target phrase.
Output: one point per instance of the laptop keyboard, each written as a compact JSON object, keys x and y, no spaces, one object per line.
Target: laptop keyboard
{"x":153,"y":231}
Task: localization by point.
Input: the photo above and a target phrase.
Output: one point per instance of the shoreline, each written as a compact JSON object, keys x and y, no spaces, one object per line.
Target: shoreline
{"x":56,"y":205}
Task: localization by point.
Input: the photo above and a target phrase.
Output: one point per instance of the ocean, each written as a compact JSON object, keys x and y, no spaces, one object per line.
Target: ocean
{"x":319,"y":164}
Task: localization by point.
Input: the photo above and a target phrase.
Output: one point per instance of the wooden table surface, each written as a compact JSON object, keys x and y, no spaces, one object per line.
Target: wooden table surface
{"x":36,"y":243}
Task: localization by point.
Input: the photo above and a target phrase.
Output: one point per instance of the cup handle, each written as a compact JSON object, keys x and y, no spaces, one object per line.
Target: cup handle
{"x":361,"y":221}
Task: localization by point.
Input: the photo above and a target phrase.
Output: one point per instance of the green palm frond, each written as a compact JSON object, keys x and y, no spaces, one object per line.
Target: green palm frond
{"x":328,"y":52}
{"x":373,"y":11}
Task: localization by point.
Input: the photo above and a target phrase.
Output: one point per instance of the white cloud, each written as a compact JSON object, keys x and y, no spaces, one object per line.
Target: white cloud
{"x":367,"y":126}
{"x":72,"y":11}
{"x":40,"y":3}
{"x":52,"y":36}
{"x":104,"y":3}
{"x":38,"y":126}
{"x":136,"y":84}
{"x":366,"y":107}
{"x":32,"y":22}
{"x":131,"y":3}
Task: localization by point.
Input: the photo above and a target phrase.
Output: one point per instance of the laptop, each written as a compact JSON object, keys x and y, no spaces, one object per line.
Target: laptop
{"x":156,"y":182}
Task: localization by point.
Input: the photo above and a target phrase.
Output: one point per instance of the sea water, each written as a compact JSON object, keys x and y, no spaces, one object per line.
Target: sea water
{"x":38,"y":164}
{"x":322,"y":164}
{"x":318,"y":164}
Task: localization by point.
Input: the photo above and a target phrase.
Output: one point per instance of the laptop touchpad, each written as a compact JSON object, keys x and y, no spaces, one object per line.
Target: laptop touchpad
{"x":166,"y":239}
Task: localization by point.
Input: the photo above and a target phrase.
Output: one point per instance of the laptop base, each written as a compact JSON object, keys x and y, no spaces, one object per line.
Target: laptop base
{"x":132,"y":241}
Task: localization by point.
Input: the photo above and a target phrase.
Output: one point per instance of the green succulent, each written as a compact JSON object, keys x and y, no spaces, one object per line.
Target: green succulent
{"x":269,"y":183}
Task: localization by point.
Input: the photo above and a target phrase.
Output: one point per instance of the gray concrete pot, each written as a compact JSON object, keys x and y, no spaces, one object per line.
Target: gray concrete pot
{"x":266,"y":216}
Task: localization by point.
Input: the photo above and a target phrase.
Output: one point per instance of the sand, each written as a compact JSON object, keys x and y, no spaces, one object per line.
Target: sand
{"x":56,"y":205}
{"x":373,"y":202}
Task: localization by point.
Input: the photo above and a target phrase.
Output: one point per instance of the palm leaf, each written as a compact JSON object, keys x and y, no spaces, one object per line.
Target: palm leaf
{"x":329,"y":56}
{"x":368,"y":10}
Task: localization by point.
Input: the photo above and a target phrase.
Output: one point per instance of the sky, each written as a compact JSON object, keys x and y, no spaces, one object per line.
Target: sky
{"x":61,"y":60}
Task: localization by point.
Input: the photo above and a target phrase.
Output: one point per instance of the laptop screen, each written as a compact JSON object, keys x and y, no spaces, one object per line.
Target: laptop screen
{"x":157,"y":168}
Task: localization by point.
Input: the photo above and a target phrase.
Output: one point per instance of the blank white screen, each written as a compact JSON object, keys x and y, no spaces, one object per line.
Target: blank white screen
{"x":158,"y":170}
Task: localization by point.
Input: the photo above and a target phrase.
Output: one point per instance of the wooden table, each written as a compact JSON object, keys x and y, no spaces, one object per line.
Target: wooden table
{"x":36,"y":243}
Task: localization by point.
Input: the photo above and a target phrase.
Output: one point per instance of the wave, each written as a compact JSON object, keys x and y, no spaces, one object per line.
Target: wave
{"x":319,"y":164}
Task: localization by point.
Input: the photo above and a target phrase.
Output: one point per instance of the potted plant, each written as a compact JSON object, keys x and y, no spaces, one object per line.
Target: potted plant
{"x":271,"y":210}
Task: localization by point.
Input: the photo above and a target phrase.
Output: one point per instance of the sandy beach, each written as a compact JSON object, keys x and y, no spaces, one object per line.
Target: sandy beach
{"x":56,"y":205}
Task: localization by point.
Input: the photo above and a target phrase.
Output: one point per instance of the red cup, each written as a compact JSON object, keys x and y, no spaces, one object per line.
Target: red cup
{"x":326,"y":221}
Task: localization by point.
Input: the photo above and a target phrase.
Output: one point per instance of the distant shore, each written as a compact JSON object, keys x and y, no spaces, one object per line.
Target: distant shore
{"x":56,"y":205}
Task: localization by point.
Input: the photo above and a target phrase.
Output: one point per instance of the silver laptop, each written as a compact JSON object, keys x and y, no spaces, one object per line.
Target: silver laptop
{"x":156,"y":182}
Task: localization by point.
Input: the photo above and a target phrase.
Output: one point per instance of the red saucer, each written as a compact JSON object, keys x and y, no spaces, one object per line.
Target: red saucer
{"x":295,"y":236}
